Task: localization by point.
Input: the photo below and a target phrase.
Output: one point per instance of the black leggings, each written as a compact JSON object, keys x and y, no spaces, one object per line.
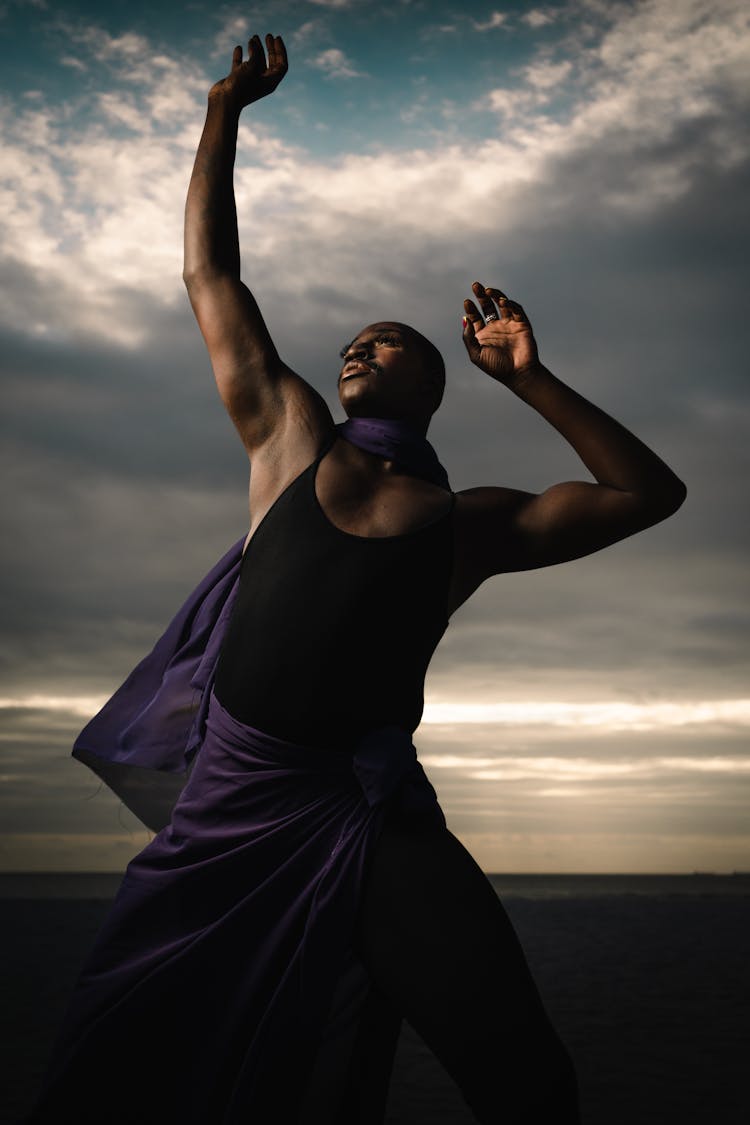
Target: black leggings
{"x":443,"y":954}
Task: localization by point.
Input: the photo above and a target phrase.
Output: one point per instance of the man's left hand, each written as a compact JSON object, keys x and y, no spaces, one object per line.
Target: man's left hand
{"x":504,"y":347}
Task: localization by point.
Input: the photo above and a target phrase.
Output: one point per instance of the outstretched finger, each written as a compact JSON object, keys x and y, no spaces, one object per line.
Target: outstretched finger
{"x":499,"y":298}
{"x":255,"y":53}
{"x":277,"y":64}
{"x":469,"y":338}
{"x":236,"y":57}
{"x":474,"y":315}
{"x":515,"y":310}
{"x":281,"y":60}
{"x":488,"y":308}
{"x":271,"y":51}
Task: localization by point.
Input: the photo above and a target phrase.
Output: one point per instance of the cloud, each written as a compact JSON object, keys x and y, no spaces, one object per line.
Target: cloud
{"x":509,"y":768}
{"x":121,"y":109}
{"x":306,"y":31}
{"x":596,"y":716}
{"x":539,"y":17}
{"x":73,"y":62}
{"x":599,"y":715}
{"x":334,"y":63}
{"x":82,"y":706}
{"x":640,"y":132}
{"x":497,"y":19}
{"x":510,"y":101}
{"x":544,"y":75}
{"x":129,"y":46}
{"x":234,"y":29}
{"x":601,"y":852}
{"x":435,"y":30}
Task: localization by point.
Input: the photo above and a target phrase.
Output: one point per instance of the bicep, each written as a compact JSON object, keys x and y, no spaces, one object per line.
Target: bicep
{"x":523,"y":531}
{"x":576,"y":518}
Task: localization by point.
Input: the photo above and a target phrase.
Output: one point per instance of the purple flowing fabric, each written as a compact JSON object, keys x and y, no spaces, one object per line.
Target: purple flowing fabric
{"x":224,"y":972}
{"x":143,"y":741}
{"x":223,"y":988}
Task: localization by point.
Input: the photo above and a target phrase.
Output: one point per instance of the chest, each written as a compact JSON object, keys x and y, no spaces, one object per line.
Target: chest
{"x":374,"y":516}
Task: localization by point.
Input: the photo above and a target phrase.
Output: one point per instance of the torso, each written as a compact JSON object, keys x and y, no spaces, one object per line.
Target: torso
{"x":359,"y":497}
{"x":343,"y":596}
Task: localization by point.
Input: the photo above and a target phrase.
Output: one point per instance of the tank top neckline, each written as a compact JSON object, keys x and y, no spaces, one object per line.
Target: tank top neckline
{"x":313,"y":471}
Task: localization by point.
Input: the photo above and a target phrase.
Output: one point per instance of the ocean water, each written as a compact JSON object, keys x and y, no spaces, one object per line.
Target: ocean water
{"x":645,"y":978}
{"x":103,"y":885}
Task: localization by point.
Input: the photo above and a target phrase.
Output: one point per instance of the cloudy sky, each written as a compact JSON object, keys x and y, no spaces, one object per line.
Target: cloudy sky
{"x":590,"y":158}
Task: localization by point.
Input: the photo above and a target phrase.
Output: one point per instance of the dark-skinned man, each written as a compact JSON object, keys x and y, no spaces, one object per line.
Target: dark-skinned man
{"x":426,"y":903}
{"x":307,"y":837}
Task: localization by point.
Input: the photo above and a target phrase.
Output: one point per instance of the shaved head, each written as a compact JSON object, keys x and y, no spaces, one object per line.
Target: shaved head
{"x":426,"y":371}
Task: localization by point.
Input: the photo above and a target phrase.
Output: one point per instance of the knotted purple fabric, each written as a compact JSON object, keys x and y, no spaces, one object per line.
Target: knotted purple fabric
{"x":225,"y":972}
{"x":397,"y":441}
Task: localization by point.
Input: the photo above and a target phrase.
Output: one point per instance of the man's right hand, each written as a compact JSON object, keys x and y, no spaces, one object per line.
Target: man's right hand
{"x":253,"y":79}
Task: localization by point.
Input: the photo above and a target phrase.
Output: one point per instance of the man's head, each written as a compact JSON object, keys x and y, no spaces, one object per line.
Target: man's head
{"x":389,"y":370}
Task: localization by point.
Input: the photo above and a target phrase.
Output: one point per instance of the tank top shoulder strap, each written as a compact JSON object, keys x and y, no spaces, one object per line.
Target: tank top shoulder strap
{"x":328,"y":442}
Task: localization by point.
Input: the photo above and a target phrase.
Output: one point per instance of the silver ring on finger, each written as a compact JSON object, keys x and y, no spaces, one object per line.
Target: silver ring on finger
{"x":491,"y":316}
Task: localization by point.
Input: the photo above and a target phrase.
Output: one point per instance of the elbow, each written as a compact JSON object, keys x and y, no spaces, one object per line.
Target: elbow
{"x":681,"y":494}
{"x":665,"y":501}
{"x":675,"y":497}
{"x":194,"y":279}
{"x":189,"y":277}
{"x":196,"y":276}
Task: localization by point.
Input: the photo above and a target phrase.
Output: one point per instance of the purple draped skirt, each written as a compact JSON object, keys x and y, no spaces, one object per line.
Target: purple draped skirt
{"x":223,"y":988}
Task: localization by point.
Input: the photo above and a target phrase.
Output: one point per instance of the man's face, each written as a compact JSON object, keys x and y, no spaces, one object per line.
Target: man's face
{"x":382,"y":373}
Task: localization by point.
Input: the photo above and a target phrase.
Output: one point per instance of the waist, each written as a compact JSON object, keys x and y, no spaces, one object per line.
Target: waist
{"x":264,"y":745}
{"x":380,"y":759}
{"x":306,"y":694}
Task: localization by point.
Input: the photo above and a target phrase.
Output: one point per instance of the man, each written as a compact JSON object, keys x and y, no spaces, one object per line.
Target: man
{"x":431,"y":931}
{"x":303,"y":892}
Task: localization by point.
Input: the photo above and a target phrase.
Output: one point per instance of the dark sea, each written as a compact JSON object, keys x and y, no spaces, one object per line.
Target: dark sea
{"x":646,"y":978}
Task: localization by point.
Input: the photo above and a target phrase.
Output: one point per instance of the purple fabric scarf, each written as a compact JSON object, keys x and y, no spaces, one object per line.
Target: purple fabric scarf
{"x":397,"y":441}
{"x":143,"y":742}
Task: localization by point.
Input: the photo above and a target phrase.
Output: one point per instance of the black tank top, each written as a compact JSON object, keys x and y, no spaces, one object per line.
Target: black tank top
{"x":331,"y":633}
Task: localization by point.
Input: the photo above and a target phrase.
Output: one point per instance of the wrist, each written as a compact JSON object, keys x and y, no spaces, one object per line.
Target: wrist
{"x":525,"y":377}
{"x":223,"y":101}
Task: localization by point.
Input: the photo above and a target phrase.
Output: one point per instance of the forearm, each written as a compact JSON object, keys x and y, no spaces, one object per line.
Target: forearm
{"x":613,"y":455}
{"x":211,"y":239}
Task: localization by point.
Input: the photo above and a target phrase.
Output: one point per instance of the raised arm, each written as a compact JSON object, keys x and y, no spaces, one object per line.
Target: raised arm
{"x":255,"y":385}
{"x":513,"y":530}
